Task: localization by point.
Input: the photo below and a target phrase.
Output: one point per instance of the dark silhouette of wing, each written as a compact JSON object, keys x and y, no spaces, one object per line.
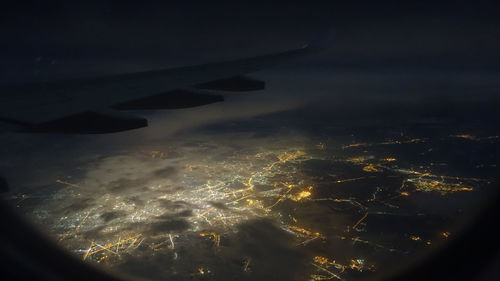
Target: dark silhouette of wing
{"x":91,"y":105}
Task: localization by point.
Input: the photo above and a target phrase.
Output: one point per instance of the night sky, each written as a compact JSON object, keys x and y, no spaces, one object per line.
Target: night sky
{"x":43,"y":40}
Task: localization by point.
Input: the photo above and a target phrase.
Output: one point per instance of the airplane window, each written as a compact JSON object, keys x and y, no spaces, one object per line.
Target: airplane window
{"x":337,"y":167}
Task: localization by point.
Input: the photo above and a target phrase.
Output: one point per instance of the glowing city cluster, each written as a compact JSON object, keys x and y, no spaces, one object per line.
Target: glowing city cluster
{"x":210,"y":197}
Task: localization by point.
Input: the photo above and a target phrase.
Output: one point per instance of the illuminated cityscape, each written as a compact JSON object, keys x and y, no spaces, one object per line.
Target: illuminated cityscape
{"x":294,"y":209}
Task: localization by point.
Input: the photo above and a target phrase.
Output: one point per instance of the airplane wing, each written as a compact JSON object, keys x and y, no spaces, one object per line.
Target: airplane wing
{"x":97,"y":105}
